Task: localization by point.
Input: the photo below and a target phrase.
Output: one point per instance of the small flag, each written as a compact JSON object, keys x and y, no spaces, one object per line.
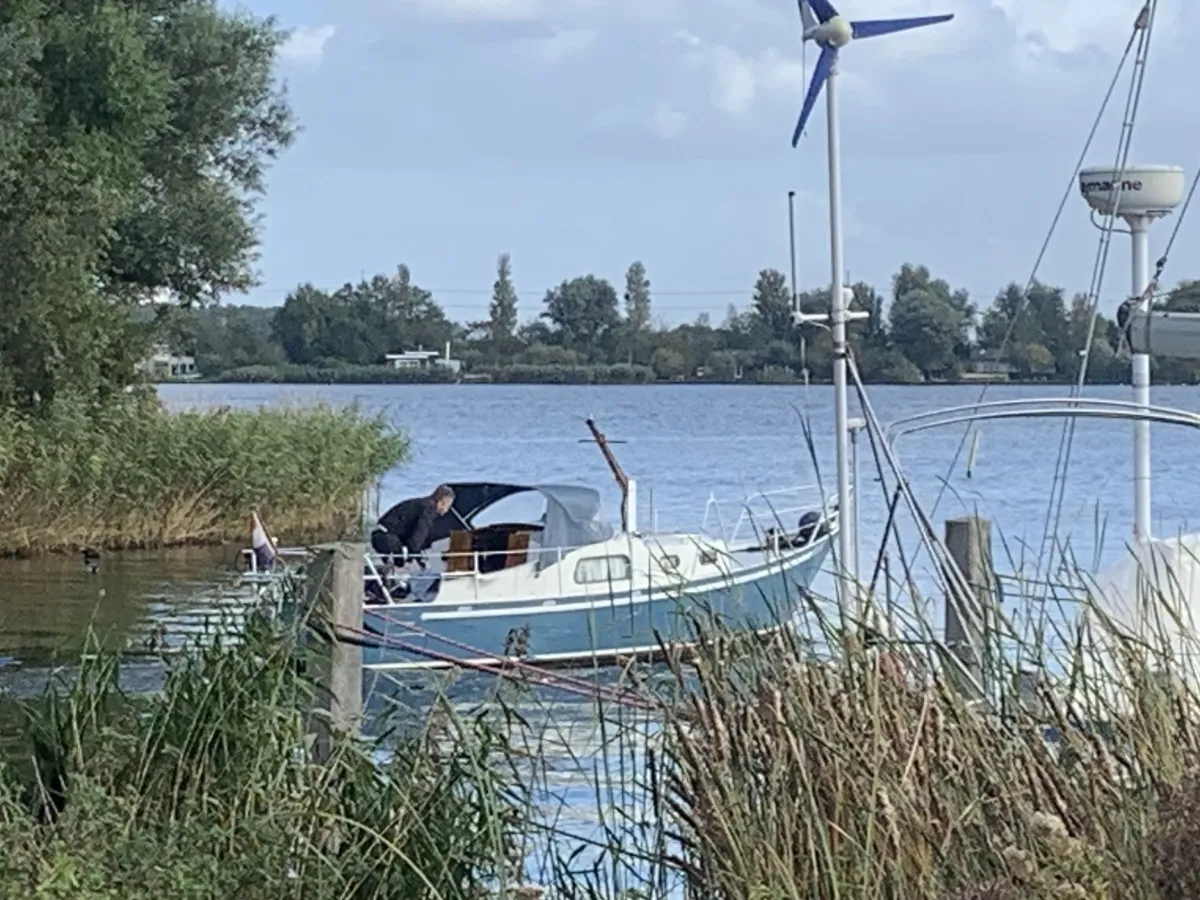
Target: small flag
{"x":265,"y":554}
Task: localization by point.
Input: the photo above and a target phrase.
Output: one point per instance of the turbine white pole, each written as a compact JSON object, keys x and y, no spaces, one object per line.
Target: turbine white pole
{"x":1140,"y":228}
{"x":837,"y":322}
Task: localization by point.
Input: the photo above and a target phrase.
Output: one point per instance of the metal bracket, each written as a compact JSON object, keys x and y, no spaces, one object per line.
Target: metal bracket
{"x":850,"y":315}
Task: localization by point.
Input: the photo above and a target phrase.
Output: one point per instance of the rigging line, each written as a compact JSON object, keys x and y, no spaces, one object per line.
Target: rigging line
{"x":1042,"y":251}
{"x":1152,"y":289}
{"x":516,"y":662}
{"x":950,"y":576}
{"x":1145,"y":24}
{"x":1010,"y":329}
{"x":502,"y":667}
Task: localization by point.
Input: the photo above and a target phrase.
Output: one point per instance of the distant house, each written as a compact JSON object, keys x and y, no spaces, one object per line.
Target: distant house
{"x":423,"y":359}
{"x":991,"y":365}
{"x":163,"y":365}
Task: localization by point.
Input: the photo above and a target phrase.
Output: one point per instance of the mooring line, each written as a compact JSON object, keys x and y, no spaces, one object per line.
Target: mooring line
{"x":543,"y":678}
{"x":582,"y":683}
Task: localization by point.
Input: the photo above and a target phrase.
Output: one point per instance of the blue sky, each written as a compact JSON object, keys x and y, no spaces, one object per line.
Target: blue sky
{"x":580,"y":135}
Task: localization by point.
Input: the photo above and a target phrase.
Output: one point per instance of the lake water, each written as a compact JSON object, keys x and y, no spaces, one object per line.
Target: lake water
{"x":681,"y":442}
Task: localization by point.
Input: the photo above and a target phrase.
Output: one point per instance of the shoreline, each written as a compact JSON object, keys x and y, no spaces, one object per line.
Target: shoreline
{"x":640,"y":384}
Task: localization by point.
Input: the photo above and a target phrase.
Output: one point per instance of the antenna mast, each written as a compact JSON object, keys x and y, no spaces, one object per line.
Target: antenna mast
{"x":824,"y":25}
{"x":1139,"y":195}
{"x":795,"y":291}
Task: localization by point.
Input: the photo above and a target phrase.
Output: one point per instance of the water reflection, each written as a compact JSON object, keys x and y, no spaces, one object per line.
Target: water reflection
{"x":135,"y":601}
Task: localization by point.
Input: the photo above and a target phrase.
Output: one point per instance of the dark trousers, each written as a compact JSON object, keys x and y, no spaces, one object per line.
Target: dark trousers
{"x":387,"y":545}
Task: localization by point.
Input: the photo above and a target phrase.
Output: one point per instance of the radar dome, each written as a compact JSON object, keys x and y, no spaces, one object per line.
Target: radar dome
{"x":1143,"y":190}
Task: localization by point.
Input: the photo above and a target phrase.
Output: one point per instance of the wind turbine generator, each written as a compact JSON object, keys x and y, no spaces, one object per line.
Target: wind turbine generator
{"x":825,"y":26}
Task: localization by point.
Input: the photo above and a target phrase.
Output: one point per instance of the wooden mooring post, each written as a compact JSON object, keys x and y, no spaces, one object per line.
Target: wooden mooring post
{"x":335,"y":605}
{"x":969,"y":612}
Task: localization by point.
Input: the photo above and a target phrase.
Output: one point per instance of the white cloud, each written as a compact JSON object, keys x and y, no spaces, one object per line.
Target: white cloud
{"x":481,"y":10}
{"x":1067,"y":26}
{"x":667,"y":122}
{"x":739,"y":80}
{"x":306,"y":45}
{"x":537,"y":10}
{"x":563,"y":44}
{"x":735,"y":81}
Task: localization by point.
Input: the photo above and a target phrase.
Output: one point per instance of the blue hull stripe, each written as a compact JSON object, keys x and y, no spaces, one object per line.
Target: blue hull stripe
{"x":584,"y":627}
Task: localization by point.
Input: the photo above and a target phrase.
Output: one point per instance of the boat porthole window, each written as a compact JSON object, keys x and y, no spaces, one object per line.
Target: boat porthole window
{"x":669,"y":562}
{"x":708,"y":558}
{"x":602,"y":569}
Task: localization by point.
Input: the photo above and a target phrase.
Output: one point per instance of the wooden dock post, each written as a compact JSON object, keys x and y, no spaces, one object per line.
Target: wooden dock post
{"x":969,"y":613}
{"x":335,"y":604}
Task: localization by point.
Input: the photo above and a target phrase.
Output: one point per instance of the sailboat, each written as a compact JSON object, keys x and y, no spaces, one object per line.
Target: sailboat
{"x":564,"y":588}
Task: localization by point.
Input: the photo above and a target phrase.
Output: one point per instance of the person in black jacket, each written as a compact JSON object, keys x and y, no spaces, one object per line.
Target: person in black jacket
{"x":404,"y":530}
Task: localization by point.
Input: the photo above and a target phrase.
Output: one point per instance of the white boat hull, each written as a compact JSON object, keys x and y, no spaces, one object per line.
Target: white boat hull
{"x":589,"y":628}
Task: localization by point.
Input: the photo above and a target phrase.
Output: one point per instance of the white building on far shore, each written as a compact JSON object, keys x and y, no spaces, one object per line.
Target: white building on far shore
{"x":423,"y":359}
{"x":163,"y":365}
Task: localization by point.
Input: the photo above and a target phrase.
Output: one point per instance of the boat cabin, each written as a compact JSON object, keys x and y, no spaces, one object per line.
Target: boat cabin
{"x":461,"y":544}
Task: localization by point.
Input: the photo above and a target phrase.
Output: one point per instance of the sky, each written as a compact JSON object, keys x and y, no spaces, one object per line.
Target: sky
{"x":581,"y":135}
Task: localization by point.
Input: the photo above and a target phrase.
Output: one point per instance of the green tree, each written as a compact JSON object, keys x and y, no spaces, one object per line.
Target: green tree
{"x":918,"y":278}
{"x":724,"y":365}
{"x":773,"y":305}
{"x":1033,"y":360}
{"x":132,"y":147}
{"x":584,"y":313}
{"x":301,"y":324}
{"x":502,"y":315}
{"x":360,"y":324}
{"x":669,"y":364}
{"x":550,"y":355}
{"x":636,"y":341}
{"x":1184,"y":298}
{"x":1037,"y":318}
{"x":637,"y":298}
{"x":927,"y":328}
{"x":224,"y":337}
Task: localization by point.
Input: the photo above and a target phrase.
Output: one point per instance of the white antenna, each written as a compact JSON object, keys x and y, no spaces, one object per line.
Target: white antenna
{"x":1139,"y":195}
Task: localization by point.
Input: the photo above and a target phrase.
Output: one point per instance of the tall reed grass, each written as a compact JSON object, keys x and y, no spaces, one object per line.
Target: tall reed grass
{"x":133,"y":475}
{"x":807,"y":765}
{"x":208,"y":789}
{"x":866,"y":773}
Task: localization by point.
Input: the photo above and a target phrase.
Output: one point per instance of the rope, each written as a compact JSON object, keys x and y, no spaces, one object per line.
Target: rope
{"x":579,"y":683}
{"x":1153,"y":287}
{"x":1042,"y":253}
{"x":511,"y":669}
{"x":1144,"y":28}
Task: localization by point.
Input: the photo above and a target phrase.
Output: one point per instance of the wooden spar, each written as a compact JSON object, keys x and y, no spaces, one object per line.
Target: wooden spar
{"x":618,"y":473}
{"x":602,"y":441}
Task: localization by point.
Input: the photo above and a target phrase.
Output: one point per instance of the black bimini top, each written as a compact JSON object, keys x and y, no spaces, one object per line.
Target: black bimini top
{"x":576,"y":505}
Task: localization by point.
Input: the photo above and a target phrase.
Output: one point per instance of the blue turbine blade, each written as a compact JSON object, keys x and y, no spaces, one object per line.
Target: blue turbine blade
{"x":824,"y":10}
{"x":819,"y":76}
{"x":877,"y":27}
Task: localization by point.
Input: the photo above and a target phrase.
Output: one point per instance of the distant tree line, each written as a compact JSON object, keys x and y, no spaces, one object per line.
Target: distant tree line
{"x":587,"y":331}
